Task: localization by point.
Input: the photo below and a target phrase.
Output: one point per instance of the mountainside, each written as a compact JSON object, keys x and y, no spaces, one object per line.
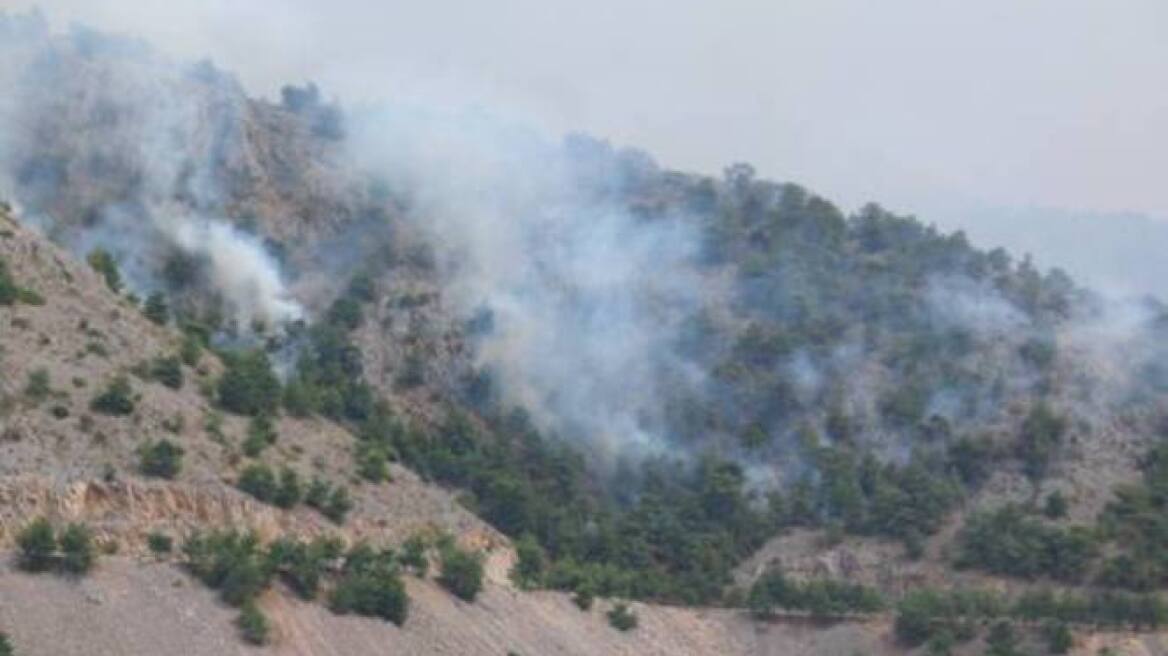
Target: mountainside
{"x":476,"y":357}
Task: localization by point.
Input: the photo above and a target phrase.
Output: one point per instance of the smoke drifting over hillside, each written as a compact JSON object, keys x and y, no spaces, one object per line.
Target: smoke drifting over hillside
{"x":630,"y":309}
{"x":581,"y":300}
{"x":146,"y":169}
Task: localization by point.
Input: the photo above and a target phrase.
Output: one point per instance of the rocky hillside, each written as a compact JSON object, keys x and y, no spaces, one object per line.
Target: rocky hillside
{"x":235,"y":329}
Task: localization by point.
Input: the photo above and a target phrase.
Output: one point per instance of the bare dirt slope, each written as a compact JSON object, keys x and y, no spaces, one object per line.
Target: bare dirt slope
{"x":127,"y":608}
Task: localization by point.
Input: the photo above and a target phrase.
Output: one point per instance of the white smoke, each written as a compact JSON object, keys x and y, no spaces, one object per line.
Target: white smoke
{"x":161,"y":131}
{"x":239,"y":269}
{"x":583,"y":295}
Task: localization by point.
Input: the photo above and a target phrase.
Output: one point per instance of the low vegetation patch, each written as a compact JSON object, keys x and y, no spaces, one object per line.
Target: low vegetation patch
{"x":41,"y":549}
{"x":241,"y":568}
{"x":161,"y":459}
{"x":12,"y":293}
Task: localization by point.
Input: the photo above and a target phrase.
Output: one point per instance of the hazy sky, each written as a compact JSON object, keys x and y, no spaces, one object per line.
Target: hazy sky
{"x":925,"y":105}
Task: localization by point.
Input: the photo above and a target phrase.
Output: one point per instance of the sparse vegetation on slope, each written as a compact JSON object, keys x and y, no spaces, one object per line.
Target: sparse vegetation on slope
{"x":41,"y":549}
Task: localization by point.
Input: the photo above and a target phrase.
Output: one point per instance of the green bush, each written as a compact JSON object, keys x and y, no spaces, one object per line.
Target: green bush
{"x":77,"y":549}
{"x":413,"y":555}
{"x":372,"y":589}
{"x":584,"y":595}
{"x":41,"y":550}
{"x":822,"y":597}
{"x":39,"y":386}
{"x":288,"y":490}
{"x":103,"y":263}
{"x":9,"y":292}
{"x":191,"y":350}
{"x":1042,"y":432}
{"x":339,"y":505}
{"x":302,"y":565}
{"x":5,"y":646}
{"x":317,"y":495}
{"x":162,"y":459}
{"x":248,"y":386}
{"x":1055,"y":506}
{"x":261,"y":434}
{"x":230,"y":562}
{"x":531,"y":563}
{"x":116,"y":400}
{"x":156,"y":308}
{"x":333,"y":503}
{"x":372,"y":463}
{"x":167,"y":371}
{"x":258,"y":481}
{"x":1058,"y":638}
{"x":1009,"y":542}
{"x":160,"y":543}
{"x":38,"y":546}
{"x":462,"y":573}
{"x":253,"y":625}
{"x":621,"y":618}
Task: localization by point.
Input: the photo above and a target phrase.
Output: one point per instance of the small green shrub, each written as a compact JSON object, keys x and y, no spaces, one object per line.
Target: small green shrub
{"x":372,"y":463}
{"x":157,"y":309}
{"x":462,"y":573}
{"x":168,"y":371}
{"x":9,"y":292}
{"x":370,"y":586}
{"x":413,"y":555}
{"x":531,"y":563}
{"x":339,"y":505}
{"x":162,"y":459}
{"x":621,"y":618}
{"x":288,"y":491}
{"x":102,"y":262}
{"x":78,"y":553}
{"x":39,"y":386}
{"x":317,"y":495}
{"x":37,"y":543}
{"x":160,"y":543}
{"x":116,"y":400}
{"x":258,"y":481}
{"x":191,"y":350}
{"x":253,"y":625}
{"x":261,"y":434}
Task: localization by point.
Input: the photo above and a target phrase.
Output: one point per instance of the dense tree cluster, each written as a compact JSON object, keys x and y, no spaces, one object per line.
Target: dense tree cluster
{"x":819,"y":597}
{"x":1008,"y":541}
{"x":928,"y":614}
{"x":1137,"y":521}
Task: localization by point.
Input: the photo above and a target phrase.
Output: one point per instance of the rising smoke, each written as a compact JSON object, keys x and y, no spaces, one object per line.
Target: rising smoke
{"x":584,"y":299}
{"x":601,"y":313}
{"x":144,"y":173}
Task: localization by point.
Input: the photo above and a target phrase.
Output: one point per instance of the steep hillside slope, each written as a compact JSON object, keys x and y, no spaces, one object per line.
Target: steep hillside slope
{"x":630,"y":382}
{"x":63,"y":457}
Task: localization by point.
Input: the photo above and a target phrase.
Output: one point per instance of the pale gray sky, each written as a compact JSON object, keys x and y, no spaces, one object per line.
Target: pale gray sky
{"x":927,"y":106}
